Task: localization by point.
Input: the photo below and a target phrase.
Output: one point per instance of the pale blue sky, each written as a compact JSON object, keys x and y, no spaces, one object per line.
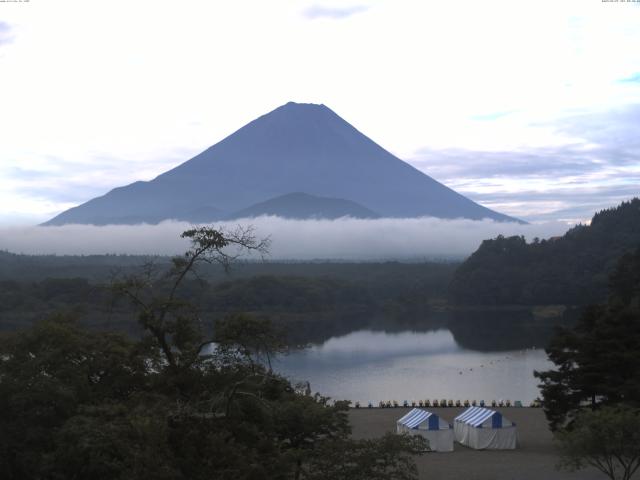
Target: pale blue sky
{"x":529,"y":107}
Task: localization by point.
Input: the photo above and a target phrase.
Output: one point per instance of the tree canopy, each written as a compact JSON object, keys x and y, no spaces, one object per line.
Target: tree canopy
{"x":598,"y":360}
{"x":78,"y":404}
{"x":571,"y":269}
{"x":607,"y":439}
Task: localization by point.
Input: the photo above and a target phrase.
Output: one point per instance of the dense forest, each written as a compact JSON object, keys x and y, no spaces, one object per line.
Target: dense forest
{"x":597,"y":360}
{"x":568,"y":270}
{"x":170,"y":404}
{"x":313,"y":301}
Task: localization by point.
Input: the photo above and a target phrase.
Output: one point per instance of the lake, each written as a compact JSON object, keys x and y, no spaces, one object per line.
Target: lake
{"x":369,"y":366}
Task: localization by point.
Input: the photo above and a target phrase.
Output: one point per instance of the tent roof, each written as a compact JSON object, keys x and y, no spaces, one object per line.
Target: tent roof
{"x":476,"y":416}
{"x":415,"y":417}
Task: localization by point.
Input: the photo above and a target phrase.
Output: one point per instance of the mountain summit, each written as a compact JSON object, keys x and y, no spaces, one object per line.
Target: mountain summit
{"x":296,"y":148}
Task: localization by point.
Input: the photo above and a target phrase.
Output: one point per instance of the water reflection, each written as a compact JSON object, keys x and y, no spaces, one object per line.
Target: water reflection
{"x":370,"y":366}
{"x":365,"y":345}
{"x":497,"y":330}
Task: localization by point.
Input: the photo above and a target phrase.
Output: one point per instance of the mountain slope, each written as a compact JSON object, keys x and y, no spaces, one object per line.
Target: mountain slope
{"x":572,"y":269}
{"x":301,"y":205}
{"x":295,"y":148}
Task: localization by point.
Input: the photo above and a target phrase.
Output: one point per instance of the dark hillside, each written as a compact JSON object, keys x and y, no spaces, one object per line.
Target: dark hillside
{"x":572,"y":269}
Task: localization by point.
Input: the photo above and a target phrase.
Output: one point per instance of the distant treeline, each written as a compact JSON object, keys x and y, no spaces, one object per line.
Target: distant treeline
{"x":569,"y":270}
{"x":312,"y":301}
{"x":93,"y":267}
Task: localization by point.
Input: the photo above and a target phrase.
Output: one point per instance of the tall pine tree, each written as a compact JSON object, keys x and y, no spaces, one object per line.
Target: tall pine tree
{"x":597,"y":361}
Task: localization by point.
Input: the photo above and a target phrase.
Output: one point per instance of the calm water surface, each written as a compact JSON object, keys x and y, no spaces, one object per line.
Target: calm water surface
{"x":370,"y":366}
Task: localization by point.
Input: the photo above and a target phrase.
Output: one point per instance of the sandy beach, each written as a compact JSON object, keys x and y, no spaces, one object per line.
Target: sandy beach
{"x":535,"y":459}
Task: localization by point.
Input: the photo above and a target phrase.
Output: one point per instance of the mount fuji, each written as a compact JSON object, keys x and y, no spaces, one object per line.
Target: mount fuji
{"x":296,"y":153}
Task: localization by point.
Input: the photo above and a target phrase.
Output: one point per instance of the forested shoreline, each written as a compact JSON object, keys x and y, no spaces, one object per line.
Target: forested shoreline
{"x":571,"y":270}
{"x":313,"y":301}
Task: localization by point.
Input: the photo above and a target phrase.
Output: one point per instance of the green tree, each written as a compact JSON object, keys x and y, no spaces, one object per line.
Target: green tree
{"x":597,"y":361}
{"x":47,"y":375}
{"x":570,"y":270}
{"x":172,"y":322}
{"x":387,"y":458}
{"x":77,"y":404}
{"x":243,"y":337}
{"x":607,"y":439}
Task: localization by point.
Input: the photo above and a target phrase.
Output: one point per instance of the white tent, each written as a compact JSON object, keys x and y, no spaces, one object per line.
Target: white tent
{"x":482,"y":428}
{"x":438,"y":432}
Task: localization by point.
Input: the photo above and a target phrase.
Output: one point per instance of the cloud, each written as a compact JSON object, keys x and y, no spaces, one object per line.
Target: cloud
{"x":6,"y":35}
{"x":363,"y":346}
{"x":615,"y":130}
{"x":342,"y":239}
{"x":493,"y":115}
{"x":570,"y":205}
{"x":565,"y":183}
{"x":598,"y":168}
{"x":318,"y":11}
{"x":602,"y":139}
{"x":634,"y":78}
{"x":62,"y":182}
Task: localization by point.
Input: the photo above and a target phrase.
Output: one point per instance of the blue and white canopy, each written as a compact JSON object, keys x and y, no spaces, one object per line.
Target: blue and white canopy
{"x":477,"y":416}
{"x":436,"y":431}
{"x":481,"y":428}
{"x":417,"y":417}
